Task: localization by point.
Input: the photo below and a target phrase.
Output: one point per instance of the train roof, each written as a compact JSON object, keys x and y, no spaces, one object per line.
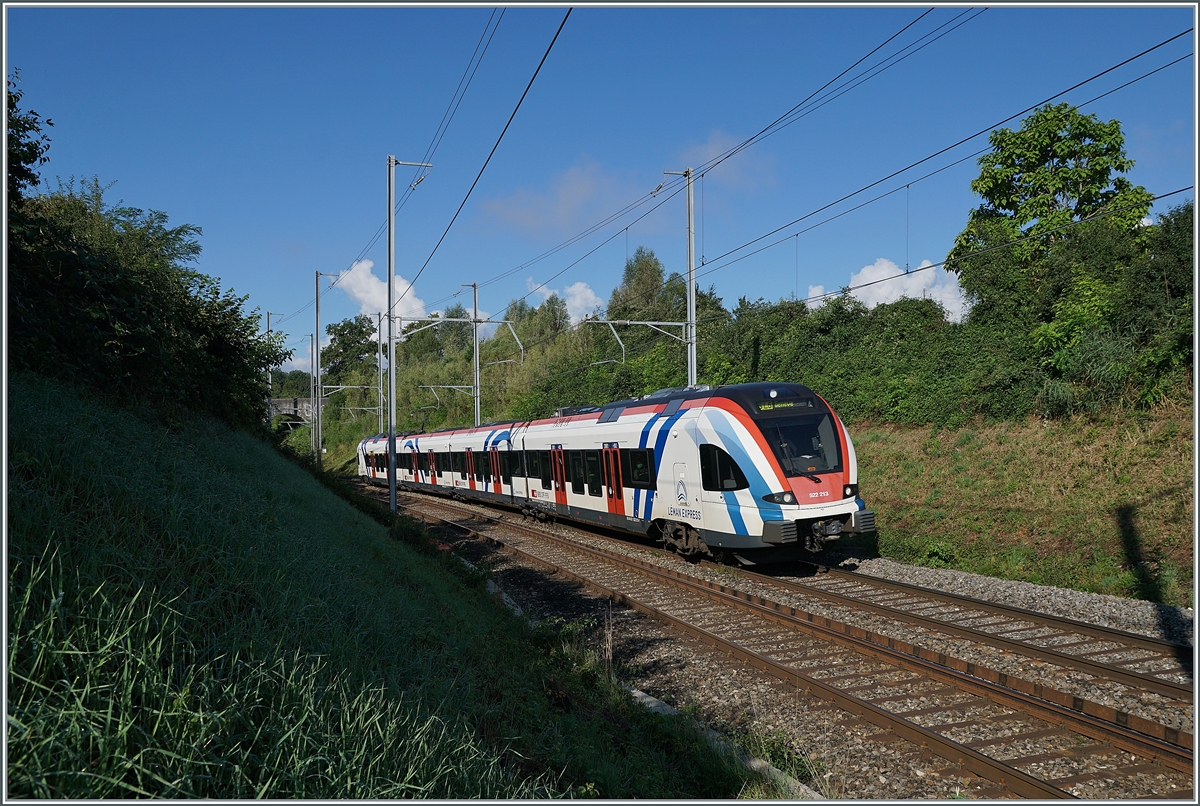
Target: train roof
{"x":753,"y":397}
{"x":749,"y":395}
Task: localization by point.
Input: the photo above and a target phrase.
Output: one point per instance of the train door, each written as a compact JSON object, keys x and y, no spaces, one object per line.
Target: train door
{"x":470,"y":468}
{"x":497,"y":483}
{"x":433,"y":468}
{"x":520,"y":481}
{"x":558,"y":469}
{"x":416,"y":466}
{"x":611,"y":458}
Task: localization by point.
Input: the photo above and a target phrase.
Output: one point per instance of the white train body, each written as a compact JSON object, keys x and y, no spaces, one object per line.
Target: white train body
{"x":737,"y":469}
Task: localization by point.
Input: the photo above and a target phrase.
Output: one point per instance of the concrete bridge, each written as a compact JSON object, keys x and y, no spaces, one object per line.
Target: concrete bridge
{"x":301,"y":407}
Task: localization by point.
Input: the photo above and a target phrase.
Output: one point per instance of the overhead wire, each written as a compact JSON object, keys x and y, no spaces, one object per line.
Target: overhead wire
{"x":712,"y":163}
{"x":485,"y":162}
{"x":900,"y":187}
{"x":938,"y":153}
{"x":456,"y":100}
{"x":674,"y":183}
{"x":919,"y":179}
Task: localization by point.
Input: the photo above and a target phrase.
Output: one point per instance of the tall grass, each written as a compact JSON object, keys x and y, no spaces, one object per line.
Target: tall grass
{"x":1097,"y":504}
{"x":191,"y":615}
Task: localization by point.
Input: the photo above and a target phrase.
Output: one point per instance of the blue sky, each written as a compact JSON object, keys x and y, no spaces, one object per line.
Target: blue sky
{"x":269,"y":129}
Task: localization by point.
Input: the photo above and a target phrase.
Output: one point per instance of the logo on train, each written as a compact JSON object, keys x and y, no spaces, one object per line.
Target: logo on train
{"x":681,"y":492}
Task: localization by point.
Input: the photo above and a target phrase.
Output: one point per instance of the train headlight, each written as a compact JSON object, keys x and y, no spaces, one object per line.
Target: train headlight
{"x":850,"y":491}
{"x":780,"y":498}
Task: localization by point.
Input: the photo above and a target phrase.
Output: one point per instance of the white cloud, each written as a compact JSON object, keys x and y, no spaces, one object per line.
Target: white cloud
{"x":370,"y":292}
{"x":815,"y":291}
{"x":580,"y":298}
{"x":920,"y":283}
{"x":299,"y":361}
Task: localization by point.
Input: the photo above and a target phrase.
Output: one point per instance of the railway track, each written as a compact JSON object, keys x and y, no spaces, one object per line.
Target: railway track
{"x":1027,"y":739}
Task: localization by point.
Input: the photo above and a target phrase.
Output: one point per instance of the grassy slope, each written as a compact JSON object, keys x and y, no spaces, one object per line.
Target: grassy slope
{"x":1104,"y":506}
{"x":192,"y":615}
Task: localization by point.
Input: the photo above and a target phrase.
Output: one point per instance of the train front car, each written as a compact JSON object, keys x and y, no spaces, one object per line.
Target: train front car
{"x":777,"y":476}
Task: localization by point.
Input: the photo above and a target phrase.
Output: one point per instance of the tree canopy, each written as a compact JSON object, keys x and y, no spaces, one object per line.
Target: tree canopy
{"x":103,"y":294}
{"x":27,"y":143}
{"x":353,"y":348}
{"x":1057,"y":168}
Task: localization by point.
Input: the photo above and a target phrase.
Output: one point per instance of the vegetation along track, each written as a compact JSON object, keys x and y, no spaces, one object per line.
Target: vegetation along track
{"x":1030,"y":740}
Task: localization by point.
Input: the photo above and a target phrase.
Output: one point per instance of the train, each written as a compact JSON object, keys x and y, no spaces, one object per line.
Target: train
{"x":754,"y":472}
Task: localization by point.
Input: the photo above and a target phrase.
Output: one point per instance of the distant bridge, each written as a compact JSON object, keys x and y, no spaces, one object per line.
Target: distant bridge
{"x":301,"y":407}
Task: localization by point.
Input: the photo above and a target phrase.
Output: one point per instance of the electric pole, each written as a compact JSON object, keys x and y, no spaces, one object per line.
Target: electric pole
{"x":379,"y":365}
{"x":475,"y":342}
{"x":317,"y":374}
{"x":691,"y":277}
{"x":392,"y":162}
{"x":270,"y":388}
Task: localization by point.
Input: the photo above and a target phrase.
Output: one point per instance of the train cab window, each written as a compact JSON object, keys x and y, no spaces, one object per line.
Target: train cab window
{"x":804,"y":444}
{"x":575,"y":471}
{"x":547,"y":470}
{"x":719,"y":472}
{"x":637,"y":468}
{"x":592,"y":458}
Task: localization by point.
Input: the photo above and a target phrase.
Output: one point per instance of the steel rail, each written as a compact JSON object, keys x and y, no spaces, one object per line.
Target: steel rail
{"x":1168,"y":688}
{"x":1094,"y":630}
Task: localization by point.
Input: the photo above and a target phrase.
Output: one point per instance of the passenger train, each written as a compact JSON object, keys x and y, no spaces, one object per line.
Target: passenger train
{"x":756,"y":472}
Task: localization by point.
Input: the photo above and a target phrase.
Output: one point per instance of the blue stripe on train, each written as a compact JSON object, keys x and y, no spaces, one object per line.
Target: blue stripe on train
{"x":637,"y":493}
{"x":659,"y":442}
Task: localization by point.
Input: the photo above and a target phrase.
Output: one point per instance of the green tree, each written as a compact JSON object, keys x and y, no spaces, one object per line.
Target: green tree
{"x":296,"y":383}
{"x":456,"y":338}
{"x":1058,"y":168}
{"x":353,"y":349}
{"x":103,"y":295}
{"x":27,"y":144}
{"x":641,"y":285}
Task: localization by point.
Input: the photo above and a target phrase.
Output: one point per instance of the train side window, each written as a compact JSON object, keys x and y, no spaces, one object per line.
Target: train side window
{"x":533,"y":469}
{"x":547,"y":469}
{"x":480,"y":459}
{"x":637,"y":468}
{"x":508,"y":462}
{"x":718,"y":470}
{"x":593,"y":472}
{"x":575,"y":471}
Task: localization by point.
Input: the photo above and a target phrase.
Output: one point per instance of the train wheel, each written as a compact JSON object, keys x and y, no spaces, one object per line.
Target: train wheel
{"x":684,"y":539}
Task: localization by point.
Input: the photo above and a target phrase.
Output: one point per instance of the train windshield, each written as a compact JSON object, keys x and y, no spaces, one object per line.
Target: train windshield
{"x":804,"y":443}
